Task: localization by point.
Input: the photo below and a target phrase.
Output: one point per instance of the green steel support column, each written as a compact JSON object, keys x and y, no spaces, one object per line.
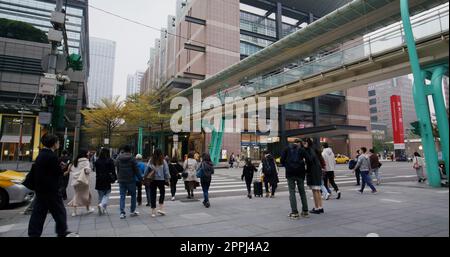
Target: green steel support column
{"x":139,"y":141}
{"x":421,"y":102}
{"x":441,"y":112}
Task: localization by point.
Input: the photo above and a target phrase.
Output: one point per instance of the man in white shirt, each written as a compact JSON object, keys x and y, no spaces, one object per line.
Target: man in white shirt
{"x":330,"y":163}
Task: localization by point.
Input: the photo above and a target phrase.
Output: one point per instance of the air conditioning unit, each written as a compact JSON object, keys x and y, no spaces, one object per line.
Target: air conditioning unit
{"x":55,"y":35}
{"x":58,"y":19}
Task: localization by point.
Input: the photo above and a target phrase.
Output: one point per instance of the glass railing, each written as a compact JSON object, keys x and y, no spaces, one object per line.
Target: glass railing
{"x":426,"y":24}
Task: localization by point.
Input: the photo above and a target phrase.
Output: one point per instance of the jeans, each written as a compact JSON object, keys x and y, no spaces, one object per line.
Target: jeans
{"x":358,"y":176}
{"x":324,"y":188}
{"x":131,"y":188}
{"x":366,"y":180}
{"x":377,"y":174}
{"x":42,"y":204}
{"x":160,"y":184}
{"x":205,"y":188}
{"x":329,"y":176}
{"x":103,"y":197}
{"x":139,"y":192}
{"x":173,"y":186}
{"x":301,"y":189}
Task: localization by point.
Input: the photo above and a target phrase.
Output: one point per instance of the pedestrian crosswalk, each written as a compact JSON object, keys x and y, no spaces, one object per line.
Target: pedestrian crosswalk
{"x":227,"y":185}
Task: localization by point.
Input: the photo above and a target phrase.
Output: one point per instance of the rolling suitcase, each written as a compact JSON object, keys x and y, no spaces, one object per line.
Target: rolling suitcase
{"x":258,"y":188}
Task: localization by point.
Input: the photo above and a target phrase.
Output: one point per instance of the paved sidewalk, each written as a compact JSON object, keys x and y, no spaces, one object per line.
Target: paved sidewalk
{"x":403,"y":209}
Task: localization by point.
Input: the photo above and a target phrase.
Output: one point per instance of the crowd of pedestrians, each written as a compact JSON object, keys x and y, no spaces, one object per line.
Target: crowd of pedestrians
{"x":303,"y":160}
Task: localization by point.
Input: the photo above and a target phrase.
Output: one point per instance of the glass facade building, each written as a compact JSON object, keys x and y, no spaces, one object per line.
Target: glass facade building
{"x":101,"y":80}
{"x":38,"y":14}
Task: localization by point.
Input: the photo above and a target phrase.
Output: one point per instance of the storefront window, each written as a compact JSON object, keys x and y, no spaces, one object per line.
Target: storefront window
{"x":10,"y":138}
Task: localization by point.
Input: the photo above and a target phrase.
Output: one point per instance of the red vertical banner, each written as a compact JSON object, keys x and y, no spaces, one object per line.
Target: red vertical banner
{"x":397,"y":122}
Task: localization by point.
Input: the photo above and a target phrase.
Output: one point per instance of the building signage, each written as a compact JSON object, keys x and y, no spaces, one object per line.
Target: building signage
{"x":397,"y":122}
{"x":45,"y":118}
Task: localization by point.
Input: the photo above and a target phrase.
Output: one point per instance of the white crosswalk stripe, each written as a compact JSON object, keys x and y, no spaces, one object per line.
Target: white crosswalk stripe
{"x":225,"y":184}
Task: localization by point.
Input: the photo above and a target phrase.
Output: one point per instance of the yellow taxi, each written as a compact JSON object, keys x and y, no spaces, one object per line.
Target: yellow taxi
{"x":11,"y":188}
{"x":341,"y":159}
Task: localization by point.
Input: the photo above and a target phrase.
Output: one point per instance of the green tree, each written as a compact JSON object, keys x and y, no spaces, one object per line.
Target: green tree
{"x":104,"y":119}
{"x":22,"y":31}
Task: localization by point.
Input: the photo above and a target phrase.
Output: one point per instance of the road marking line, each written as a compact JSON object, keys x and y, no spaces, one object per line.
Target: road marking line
{"x":391,"y":200}
{"x":6,"y":228}
{"x":442,"y":192}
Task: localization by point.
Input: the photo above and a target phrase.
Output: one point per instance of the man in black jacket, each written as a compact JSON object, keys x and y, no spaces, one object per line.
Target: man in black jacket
{"x":293,"y":159}
{"x":127,"y":171}
{"x":47,"y":181}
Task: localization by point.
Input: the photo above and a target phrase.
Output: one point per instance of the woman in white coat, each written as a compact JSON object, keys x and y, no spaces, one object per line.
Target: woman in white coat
{"x":189,"y":174}
{"x":80,"y":171}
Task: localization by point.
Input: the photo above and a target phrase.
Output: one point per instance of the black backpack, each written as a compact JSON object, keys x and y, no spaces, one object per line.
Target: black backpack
{"x":30,"y":181}
{"x":293,"y":159}
{"x":269,"y":168}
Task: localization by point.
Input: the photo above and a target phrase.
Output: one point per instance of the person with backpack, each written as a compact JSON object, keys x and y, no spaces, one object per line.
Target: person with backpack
{"x":158,"y":169}
{"x":418,"y":166}
{"x":375,"y":166}
{"x":247,"y":172}
{"x":314,"y":174}
{"x":293,"y":159}
{"x":330,"y":163}
{"x":205,"y":172}
{"x":105,"y":176}
{"x":127,"y":171}
{"x":45,"y":179}
{"x":175,"y":170}
{"x":364,"y":165}
{"x":269,"y":169}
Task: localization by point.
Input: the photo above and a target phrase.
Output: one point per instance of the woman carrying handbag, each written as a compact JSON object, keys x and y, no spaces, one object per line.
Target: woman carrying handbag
{"x":418,"y":166}
{"x":80,"y":170}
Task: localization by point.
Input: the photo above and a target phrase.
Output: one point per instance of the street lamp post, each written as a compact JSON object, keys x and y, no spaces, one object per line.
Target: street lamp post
{"x":19,"y":150}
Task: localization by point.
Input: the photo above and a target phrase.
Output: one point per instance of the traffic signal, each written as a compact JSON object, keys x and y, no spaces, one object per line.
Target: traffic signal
{"x":58,"y":113}
{"x":74,"y":61}
{"x":416,"y":128}
{"x":67,"y":144}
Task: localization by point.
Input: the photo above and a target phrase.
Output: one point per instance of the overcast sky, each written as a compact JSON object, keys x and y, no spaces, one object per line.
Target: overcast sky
{"x":133,"y":41}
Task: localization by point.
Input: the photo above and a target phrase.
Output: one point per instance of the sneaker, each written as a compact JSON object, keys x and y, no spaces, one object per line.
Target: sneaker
{"x":374,"y":192}
{"x":249,"y":196}
{"x":123,"y":216}
{"x":161,"y":212}
{"x":327,"y":196}
{"x":267,"y":195}
{"x":305,"y":214}
{"x":153,"y":213}
{"x":74,"y":214}
{"x":72,"y":234}
{"x":315,"y":211}
{"x":91,"y":210}
{"x":100,"y":210}
{"x":173,"y":198}
{"x":147,"y":204}
{"x":361,"y":192}
{"x":338,"y":195}
{"x":207,"y":205}
{"x":294,"y":215}
{"x":272,"y":196}
{"x":321,"y":210}
{"x":134,"y":214}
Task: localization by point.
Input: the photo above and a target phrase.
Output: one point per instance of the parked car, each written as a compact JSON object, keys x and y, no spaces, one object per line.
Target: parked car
{"x":11,"y":188}
{"x":341,"y":159}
